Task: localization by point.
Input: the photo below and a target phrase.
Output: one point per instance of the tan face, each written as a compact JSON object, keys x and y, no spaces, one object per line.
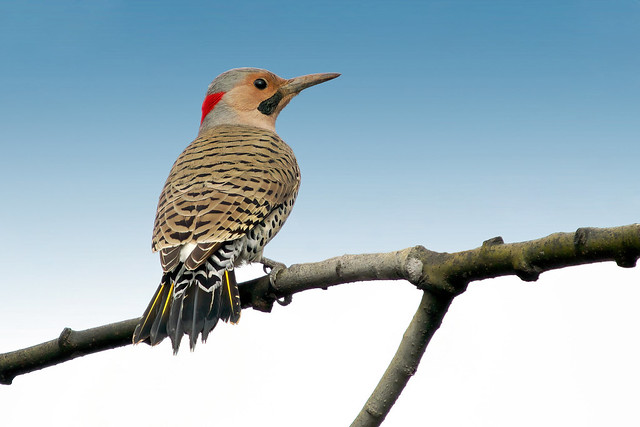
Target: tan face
{"x":255,"y":90}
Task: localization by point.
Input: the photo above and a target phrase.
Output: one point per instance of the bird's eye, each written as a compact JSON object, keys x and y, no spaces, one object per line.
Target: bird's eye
{"x":260,"y":84}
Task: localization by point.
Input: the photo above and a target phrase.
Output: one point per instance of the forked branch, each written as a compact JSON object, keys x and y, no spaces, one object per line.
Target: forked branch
{"x":441,"y":275}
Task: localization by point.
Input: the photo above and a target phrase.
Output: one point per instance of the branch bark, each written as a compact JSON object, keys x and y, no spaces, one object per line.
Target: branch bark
{"x":405,"y":363}
{"x":441,"y":275}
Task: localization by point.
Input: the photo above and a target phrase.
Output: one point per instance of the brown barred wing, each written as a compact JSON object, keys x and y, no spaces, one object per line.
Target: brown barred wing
{"x":222,"y":185}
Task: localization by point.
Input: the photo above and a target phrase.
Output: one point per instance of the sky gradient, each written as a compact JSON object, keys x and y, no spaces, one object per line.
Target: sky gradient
{"x":453,"y":122}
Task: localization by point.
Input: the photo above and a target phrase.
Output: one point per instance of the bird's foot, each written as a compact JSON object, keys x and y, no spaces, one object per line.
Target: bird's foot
{"x":274,"y":267}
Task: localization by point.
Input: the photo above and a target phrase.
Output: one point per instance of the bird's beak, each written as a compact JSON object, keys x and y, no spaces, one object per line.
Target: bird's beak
{"x":297,"y":84}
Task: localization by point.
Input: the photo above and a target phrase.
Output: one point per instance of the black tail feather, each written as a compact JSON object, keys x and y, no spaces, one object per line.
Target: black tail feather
{"x":159,"y":328}
{"x":211,"y":320}
{"x":189,"y":303}
{"x":175,"y":326}
{"x":230,"y":304}
{"x":189,"y":317}
{"x":197,"y":313}
{"x":190,"y":295}
{"x":142,"y":332}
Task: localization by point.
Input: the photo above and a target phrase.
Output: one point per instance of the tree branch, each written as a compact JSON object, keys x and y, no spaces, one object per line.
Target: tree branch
{"x":442,"y":275}
{"x":406,"y":360}
{"x":449,"y":274}
{"x":69,"y":345}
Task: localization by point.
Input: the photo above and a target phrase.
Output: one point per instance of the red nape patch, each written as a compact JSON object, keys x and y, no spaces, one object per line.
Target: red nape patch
{"x":209,"y":102}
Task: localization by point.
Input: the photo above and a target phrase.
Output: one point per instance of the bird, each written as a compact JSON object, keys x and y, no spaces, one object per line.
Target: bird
{"x":226,"y":197}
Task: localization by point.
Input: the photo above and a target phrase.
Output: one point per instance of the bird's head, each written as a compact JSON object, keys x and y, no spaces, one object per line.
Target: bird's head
{"x":251,"y":96}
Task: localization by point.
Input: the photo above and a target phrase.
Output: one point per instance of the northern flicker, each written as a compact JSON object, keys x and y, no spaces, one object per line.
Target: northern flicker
{"x":226,"y":197}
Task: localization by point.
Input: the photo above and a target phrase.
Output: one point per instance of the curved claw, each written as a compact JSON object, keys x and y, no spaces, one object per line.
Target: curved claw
{"x":273,"y":266}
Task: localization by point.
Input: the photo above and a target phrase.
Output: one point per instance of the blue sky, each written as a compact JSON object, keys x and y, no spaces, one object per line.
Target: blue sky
{"x":452,"y":122}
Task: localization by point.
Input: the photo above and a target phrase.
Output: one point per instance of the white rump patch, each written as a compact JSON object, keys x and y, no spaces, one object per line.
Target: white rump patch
{"x":186,"y":250}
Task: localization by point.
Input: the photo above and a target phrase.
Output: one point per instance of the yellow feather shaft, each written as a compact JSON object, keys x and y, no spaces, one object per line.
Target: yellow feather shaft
{"x":153,"y":305}
{"x":226,"y":276}
{"x":166,"y":304}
